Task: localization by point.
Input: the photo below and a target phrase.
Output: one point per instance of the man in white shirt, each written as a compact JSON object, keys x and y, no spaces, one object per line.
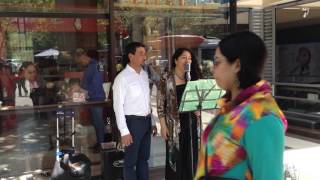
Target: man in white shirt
{"x":131,"y":103}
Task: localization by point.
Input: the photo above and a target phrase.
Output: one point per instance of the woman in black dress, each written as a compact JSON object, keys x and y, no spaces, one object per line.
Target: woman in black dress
{"x":175,"y":127}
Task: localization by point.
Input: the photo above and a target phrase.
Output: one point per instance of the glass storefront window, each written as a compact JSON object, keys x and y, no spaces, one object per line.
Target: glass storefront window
{"x":50,"y":44}
{"x":296,"y":64}
{"x":47,"y":33}
{"x":42,"y":6}
{"x":162,"y":28}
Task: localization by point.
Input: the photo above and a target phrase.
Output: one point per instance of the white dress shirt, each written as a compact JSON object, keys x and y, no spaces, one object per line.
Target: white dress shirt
{"x":131,"y":96}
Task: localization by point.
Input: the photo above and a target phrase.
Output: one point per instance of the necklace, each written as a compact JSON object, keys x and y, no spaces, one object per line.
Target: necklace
{"x":183,"y":79}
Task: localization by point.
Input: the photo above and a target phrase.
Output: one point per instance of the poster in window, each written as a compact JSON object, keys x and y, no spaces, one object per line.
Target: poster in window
{"x":298,"y":63}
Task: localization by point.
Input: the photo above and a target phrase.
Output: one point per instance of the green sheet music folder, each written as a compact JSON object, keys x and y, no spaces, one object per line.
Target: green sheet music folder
{"x":204,"y":92}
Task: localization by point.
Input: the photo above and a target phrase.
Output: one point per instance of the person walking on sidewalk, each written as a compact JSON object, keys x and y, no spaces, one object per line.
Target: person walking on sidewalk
{"x":131,"y":102}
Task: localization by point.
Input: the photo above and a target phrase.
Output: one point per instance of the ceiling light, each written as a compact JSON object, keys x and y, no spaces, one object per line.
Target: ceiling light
{"x":305,"y":12}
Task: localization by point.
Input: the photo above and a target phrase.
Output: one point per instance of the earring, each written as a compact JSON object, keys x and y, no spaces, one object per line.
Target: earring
{"x":237,"y":82}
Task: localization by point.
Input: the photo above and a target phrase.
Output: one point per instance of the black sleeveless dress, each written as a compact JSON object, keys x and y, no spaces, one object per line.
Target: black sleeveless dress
{"x":183,"y":157}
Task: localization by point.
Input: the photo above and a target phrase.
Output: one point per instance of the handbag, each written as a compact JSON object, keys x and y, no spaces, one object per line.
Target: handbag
{"x":112,"y":164}
{"x":72,"y":167}
{"x":113,"y":159}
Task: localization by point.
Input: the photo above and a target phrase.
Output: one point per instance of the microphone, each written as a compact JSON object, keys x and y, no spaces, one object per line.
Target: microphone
{"x":187,"y":69}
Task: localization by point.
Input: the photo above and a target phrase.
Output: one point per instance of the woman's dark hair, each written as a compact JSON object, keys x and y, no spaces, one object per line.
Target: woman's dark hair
{"x":250,"y":50}
{"x":195,"y":69}
{"x":3,"y":65}
{"x":25,"y":64}
{"x":130,"y":48}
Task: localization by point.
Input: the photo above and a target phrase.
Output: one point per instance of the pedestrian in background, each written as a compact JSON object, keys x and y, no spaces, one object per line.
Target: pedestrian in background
{"x":92,"y":82}
{"x":26,"y":85}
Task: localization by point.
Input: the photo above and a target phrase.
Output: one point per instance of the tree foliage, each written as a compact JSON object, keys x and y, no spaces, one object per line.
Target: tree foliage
{"x":43,"y":40}
{"x":27,"y":4}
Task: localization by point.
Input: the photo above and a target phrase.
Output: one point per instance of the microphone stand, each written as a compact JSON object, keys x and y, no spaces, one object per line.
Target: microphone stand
{"x":188,"y":78}
{"x":202,"y":92}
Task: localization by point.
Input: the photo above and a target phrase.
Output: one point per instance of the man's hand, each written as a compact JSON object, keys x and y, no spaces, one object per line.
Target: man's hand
{"x":154,"y":130}
{"x":126,"y":140}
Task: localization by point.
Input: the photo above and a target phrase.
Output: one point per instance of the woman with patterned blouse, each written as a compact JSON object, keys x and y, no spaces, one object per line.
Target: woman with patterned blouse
{"x":175,"y":126}
{"x":246,"y":138}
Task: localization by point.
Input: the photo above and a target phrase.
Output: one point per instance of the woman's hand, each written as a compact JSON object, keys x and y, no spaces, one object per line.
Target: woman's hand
{"x":164,"y":132}
{"x":197,"y":114}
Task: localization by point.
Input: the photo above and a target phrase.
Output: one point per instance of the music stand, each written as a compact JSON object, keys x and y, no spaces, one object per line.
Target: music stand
{"x":199,"y":95}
